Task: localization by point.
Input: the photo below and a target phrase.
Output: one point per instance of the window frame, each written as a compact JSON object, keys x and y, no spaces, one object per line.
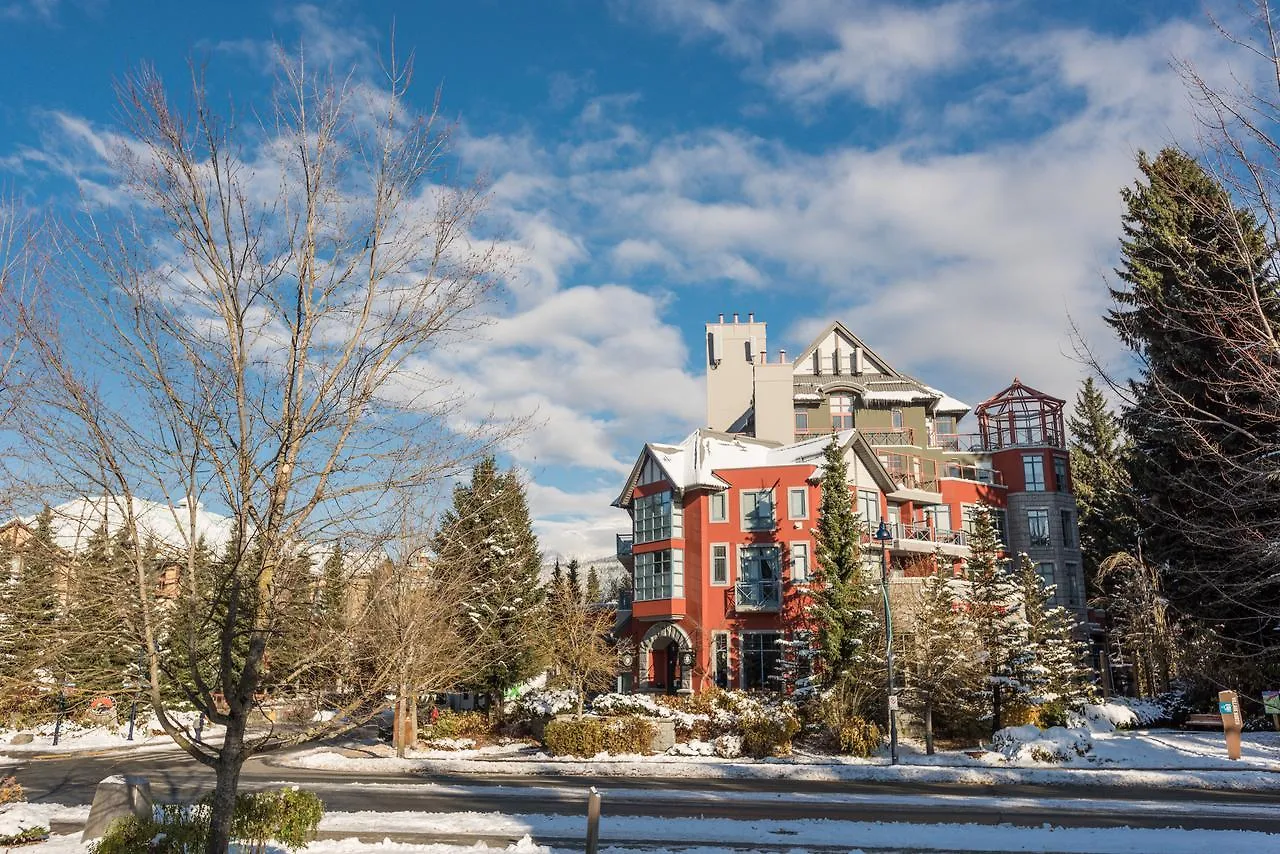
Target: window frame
{"x":646,"y":563}
{"x":651,"y":524}
{"x":1067,"y":520}
{"x":744,"y":656}
{"x":869,"y":497}
{"x":723,"y":502}
{"x":1047,"y":540}
{"x":802,"y":420}
{"x":803,"y":492}
{"x":1051,"y":581}
{"x":728,"y":565}
{"x":805,"y":576}
{"x":1061,"y":480}
{"x":897,"y":420}
{"x":1033,"y":464}
{"x":717,"y":648}
{"x":840,"y":413}
{"x":744,"y":501}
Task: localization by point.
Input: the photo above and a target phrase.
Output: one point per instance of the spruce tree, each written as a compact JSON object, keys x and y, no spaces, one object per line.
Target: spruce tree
{"x":1197,"y":304}
{"x":593,"y":592}
{"x":488,"y":534}
{"x":992,"y":614}
{"x":938,"y":657}
{"x":331,"y":599}
{"x":572,"y":581}
{"x":38,"y":643}
{"x":1049,"y":660}
{"x":1100,"y":481}
{"x":99,"y":650}
{"x":843,"y":605}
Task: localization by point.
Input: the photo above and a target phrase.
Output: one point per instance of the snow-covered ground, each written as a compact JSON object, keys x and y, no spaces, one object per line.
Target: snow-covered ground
{"x":75,"y":737}
{"x":1149,"y":758}
{"x":620,"y":834}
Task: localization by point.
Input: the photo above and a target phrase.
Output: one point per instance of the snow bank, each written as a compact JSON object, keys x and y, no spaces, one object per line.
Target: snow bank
{"x":1055,"y":745}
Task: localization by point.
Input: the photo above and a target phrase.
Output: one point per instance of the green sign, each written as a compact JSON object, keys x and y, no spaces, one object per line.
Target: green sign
{"x":1271,"y":702}
{"x":1226,"y":709}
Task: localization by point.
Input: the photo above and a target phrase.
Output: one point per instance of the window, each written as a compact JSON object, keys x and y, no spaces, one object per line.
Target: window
{"x":1071,"y":572}
{"x":944,"y":425}
{"x":1060,"y":481}
{"x":758,"y":574}
{"x":797,"y":503}
{"x":800,"y":562}
{"x":1033,"y":472}
{"x":1068,"y":531}
{"x":1045,"y":570}
{"x":1000,"y":521}
{"x":656,"y":518}
{"x":659,"y":575}
{"x":842,"y":411}
{"x":940,"y":516}
{"x":720,"y":564}
{"x":895,"y":419}
{"x":802,"y":422}
{"x":719,"y":507}
{"x":869,"y":507}
{"x":760,"y":657}
{"x":1038,"y":528}
{"x":720,"y":658}
{"x":757,"y":510}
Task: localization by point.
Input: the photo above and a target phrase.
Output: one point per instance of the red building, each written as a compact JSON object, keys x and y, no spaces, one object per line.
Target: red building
{"x":721,"y":548}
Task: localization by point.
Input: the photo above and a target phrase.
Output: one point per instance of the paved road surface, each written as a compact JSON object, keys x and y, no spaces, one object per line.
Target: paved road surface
{"x":174,"y":776}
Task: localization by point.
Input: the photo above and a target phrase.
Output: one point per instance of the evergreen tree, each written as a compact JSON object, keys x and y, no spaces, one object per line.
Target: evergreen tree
{"x":993,"y":615}
{"x":37,"y":644}
{"x":1050,"y":661}
{"x":331,"y":599}
{"x":1197,"y":304}
{"x":844,"y":601}
{"x":593,"y":592}
{"x":488,"y":534}
{"x":1100,"y":480}
{"x":938,"y":657}
{"x":557,"y":577}
{"x":572,"y":582}
{"x":99,"y":649}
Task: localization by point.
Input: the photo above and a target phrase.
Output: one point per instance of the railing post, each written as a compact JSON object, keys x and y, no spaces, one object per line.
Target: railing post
{"x":593,"y":821}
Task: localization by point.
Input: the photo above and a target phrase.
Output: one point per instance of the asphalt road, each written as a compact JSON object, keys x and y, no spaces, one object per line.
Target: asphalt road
{"x":174,"y":776}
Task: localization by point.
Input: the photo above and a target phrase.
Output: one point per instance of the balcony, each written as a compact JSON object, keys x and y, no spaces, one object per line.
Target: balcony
{"x":998,"y":440}
{"x":624,"y":546}
{"x":757,"y":595}
{"x":972,"y":473}
{"x":922,"y":538}
{"x":879,"y":438}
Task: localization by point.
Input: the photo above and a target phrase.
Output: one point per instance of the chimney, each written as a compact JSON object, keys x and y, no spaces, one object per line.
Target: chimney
{"x":751,"y":317}
{"x":782,"y":356}
{"x":722,"y":317}
{"x":735,"y":317}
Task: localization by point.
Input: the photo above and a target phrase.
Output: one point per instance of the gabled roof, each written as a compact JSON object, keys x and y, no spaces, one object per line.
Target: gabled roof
{"x":692,"y":464}
{"x":867,"y":352}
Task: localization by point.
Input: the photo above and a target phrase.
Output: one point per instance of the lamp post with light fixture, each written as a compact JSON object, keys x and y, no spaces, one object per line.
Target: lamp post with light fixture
{"x":882,"y":536}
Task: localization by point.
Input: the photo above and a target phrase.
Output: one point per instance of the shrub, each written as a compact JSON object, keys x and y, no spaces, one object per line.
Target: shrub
{"x":1052,"y":713}
{"x":859,"y":737}
{"x":574,"y":737}
{"x":473,"y":725}
{"x":1014,"y":715}
{"x":629,"y":734}
{"x":545,"y":703}
{"x":10,"y":791}
{"x":728,"y":746}
{"x":25,"y":836}
{"x":288,"y":816}
{"x":769,"y":736}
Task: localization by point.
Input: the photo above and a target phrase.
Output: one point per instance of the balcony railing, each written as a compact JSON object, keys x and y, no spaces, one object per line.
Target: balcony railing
{"x":624,"y":545}
{"x":757,"y":595}
{"x":996,"y":440}
{"x":957,"y":441}
{"x":907,"y":480}
{"x":923,"y":534}
{"x":973,"y":473}
{"x":900,"y":436}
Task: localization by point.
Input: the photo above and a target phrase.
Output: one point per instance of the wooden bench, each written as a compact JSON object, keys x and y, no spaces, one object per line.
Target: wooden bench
{"x":1203,"y":722}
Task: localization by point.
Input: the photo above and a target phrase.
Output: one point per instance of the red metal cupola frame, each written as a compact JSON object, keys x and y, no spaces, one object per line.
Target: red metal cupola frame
{"x":1021,"y":416}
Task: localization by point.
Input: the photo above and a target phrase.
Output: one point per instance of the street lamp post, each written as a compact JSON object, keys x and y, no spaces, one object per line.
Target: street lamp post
{"x":882,"y":536}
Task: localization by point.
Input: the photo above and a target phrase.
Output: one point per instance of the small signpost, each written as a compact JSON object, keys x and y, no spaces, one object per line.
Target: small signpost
{"x":1232,"y":721}
{"x":1271,"y":706}
{"x":593,"y":821}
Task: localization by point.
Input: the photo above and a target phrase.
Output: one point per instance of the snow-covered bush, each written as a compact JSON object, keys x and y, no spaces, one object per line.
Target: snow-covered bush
{"x":645,"y":705}
{"x":1030,"y":743}
{"x":452,"y":743}
{"x":728,"y":746}
{"x":545,"y":703}
{"x":694,"y":747}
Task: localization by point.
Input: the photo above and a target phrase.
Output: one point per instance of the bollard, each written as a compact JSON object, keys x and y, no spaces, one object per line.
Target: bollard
{"x":593,"y":821}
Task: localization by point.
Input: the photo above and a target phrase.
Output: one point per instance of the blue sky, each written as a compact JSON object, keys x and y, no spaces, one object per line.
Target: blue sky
{"x":943,"y":177}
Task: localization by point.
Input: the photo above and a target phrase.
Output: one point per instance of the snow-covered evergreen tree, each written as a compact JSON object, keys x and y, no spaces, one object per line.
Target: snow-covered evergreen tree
{"x":844,"y":602}
{"x":488,"y":534}
{"x":1050,"y":661}
{"x":938,"y":660}
{"x":993,"y":615}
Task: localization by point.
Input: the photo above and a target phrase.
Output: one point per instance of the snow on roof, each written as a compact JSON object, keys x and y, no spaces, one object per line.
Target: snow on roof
{"x":948,"y":404}
{"x":75,"y":521}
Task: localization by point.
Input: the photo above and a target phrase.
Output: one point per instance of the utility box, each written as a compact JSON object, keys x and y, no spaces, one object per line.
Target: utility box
{"x":1232,"y":721}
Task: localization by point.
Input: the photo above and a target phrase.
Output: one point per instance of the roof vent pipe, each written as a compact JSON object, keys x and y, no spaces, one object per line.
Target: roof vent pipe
{"x":735,"y":317}
{"x":782,"y":355}
{"x":751,"y":317}
{"x":722,"y":317}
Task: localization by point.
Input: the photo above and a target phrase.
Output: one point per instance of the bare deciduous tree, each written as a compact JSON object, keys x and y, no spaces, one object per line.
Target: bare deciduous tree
{"x":252,"y":327}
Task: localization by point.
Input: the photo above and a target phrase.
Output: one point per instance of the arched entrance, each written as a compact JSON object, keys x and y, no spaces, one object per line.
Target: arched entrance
{"x":661,"y":657}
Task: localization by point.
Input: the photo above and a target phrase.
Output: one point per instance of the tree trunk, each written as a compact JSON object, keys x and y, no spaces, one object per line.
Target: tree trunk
{"x":928,"y":727}
{"x":230,"y":760}
{"x":995,"y":708}
{"x":397,"y":723}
